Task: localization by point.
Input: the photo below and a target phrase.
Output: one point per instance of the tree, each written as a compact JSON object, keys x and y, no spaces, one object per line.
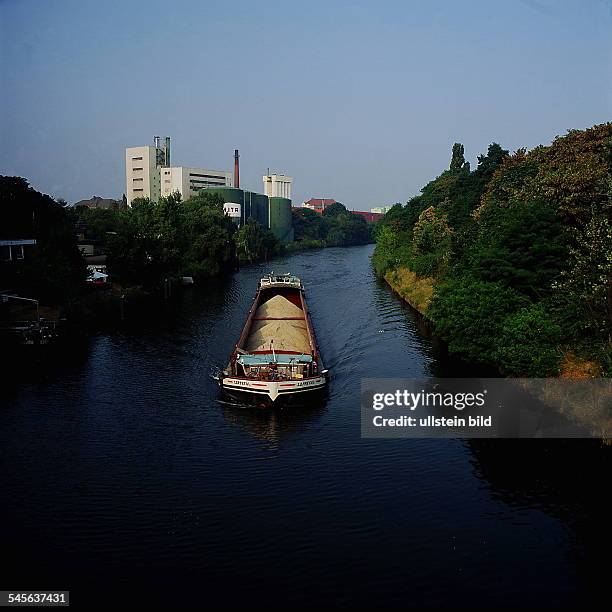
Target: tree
{"x":469,"y":315}
{"x":586,"y":284}
{"x":392,"y":250}
{"x":155,"y":241}
{"x":523,"y":246}
{"x":457,"y":159}
{"x":487,"y":164}
{"x":334,"y":210}
{"x":532,"y":226}
{"x":346,"y":229}
{"x":254,"y":242}
{"x":55,"y":271}
{"x":528,"y":343}
{"x":98,"y":222}
{"x":431,"y":242}
{"x":307,"y":224}
{"x":207,"y":236}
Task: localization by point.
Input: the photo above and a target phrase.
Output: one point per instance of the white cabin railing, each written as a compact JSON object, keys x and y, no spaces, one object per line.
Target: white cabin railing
{"x":280,"y":280}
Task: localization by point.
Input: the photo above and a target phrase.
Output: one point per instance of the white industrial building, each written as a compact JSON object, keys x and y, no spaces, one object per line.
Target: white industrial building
{"x":142,"y":173}
{"x":149,"y":174}
{"x":277,"y":186}
{"x":188,"y":181}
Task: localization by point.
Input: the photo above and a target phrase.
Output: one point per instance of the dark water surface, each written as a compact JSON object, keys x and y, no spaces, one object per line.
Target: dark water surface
{"x":121,"y":471}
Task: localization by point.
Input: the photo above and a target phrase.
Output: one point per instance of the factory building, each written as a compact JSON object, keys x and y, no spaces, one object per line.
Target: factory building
{"x":188,"y":181}
{"x":141,"y":173}
{"x":277,"y":185}
{"x":273,"y":213}
{"x":370,"y":217}
{"x":318,"y":204}
{"x":149,"y":174}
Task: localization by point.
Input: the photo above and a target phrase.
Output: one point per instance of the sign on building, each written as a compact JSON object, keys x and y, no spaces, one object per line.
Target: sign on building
{"x":232,"y":210}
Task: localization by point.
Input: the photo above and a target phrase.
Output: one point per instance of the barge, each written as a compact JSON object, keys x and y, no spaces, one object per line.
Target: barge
{"x":276,"y":360}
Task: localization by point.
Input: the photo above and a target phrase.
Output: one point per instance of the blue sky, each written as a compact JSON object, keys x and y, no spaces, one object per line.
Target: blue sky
{"x":360,"y":101}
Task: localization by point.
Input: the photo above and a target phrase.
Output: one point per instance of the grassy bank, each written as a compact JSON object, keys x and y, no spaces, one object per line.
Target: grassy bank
{"x":415,"y":290}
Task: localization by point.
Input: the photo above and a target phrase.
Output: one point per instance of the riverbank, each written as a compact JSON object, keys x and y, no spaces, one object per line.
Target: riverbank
{"x":418,"y":292}
{"x":593,"y":414}
{"x":414,"y":290}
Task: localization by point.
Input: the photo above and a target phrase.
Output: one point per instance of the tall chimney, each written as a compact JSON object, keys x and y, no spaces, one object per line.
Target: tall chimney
{"x":236,"y":169}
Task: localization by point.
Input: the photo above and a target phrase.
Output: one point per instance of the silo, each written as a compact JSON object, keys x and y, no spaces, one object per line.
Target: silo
{"x":260,"y":209}
{"x":280,"y":219}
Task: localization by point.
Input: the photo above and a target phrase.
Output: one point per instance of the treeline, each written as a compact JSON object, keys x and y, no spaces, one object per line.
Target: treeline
{"x":148,"y":242}
{"x":518,"y":252}
{"x":335,"y":227}
{"x":152,"y":241}
{"x":144,"y":244}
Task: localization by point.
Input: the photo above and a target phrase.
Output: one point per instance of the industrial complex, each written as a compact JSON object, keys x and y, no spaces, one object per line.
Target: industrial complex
{"x":149,"y":174}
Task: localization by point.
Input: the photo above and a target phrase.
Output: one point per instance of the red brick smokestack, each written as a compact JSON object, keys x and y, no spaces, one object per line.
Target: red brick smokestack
{"x":236,"y":169}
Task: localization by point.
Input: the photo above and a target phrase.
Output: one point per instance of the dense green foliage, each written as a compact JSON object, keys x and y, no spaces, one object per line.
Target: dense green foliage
{"x":152,"y":241}
{"x":520,"y":250}
{"x":145,"y":244}
{"x":335,"y":227}
{"x":470,"y":314}
{"x":254,"y":242}
{"x":308,"y":225}
{"x":54,"y":270}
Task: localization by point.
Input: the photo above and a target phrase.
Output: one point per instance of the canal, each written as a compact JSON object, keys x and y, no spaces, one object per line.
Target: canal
{"x":121,"y":470}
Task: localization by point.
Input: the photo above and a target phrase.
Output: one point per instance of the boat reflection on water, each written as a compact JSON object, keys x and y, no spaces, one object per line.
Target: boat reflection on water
{"x":276,"y":424}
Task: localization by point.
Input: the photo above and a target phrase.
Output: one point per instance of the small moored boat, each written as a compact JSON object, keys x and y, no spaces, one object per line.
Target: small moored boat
{"x":276,"y":358}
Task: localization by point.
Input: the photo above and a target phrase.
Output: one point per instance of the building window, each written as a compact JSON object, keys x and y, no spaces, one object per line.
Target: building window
{"x":137,"y":179}
{"x":210,"y":176}
{"x":196,"y":182}
{"x":136,"y":168}
{"x":138,"y":189}
{"x":136,"y":158}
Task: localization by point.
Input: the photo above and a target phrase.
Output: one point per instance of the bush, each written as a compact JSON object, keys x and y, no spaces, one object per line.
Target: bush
{"x":523,"y":246}
{"x":254,"y":242}
{"x":528,"y":343}
{"x":469,"y":314}
{"x":304,"y":245}
{"x":426,"y":264}
{"x":392,"y":249}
